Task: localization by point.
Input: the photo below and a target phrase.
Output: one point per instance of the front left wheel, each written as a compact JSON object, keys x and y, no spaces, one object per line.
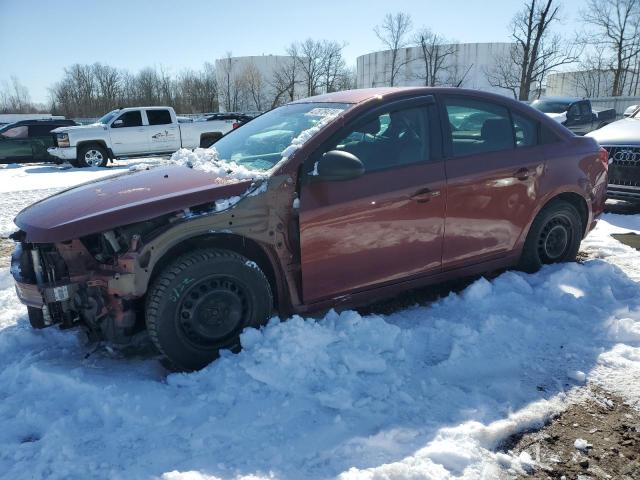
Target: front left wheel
{"x":200,"y":304}
{"x":92,"y":155}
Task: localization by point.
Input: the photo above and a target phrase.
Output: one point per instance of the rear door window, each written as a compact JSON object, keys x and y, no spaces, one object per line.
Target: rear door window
{"x":525,"y":129}
{"x":129,"y":119}
{"x":478,"y":126}
{"x":159,"y":117}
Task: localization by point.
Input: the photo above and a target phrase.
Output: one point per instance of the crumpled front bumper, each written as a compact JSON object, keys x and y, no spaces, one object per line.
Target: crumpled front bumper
{"x":67,"y":153}
{"x":31,"y":293}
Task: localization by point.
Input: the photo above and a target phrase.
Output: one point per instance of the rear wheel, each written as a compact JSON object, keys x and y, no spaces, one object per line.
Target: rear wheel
{"x":200,"y":304}
{"x":554,"y":237}
{"x":92,"y":155}
{"x":36,"y":318}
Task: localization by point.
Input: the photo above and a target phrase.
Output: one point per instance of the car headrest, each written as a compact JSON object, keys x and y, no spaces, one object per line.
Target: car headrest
{"x":497,"y":132}
{"x":372,"y":127}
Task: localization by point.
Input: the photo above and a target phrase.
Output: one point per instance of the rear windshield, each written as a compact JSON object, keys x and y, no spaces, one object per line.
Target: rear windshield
{"x":259,"y":144}
{"x":546,"y":106}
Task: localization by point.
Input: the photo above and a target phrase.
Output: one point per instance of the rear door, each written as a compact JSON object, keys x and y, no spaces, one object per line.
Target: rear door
{"x":492,"y":179}
{"x":164,"y":134}
{"x":129,"y":134}
{"x":385,"y":226}
{"x":15,"y":145}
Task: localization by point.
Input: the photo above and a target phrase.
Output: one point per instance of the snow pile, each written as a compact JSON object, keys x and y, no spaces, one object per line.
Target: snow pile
{"x":208,"y":160}
{"x":426,"y":392}
{"x":305,"y":135}
{"x":582,"y":444}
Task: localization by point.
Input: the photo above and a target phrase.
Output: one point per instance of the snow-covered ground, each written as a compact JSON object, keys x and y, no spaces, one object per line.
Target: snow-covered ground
{"x":21,"y":185}
{"x":428,"y":392}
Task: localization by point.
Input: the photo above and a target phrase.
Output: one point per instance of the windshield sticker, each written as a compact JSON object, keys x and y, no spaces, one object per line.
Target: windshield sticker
{"x":323,"y":112}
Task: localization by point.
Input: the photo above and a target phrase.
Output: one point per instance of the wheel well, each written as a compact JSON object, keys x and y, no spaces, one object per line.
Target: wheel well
{"x":236,"y":243}
{"x":102,"y":143}
{"x":579,"y":203}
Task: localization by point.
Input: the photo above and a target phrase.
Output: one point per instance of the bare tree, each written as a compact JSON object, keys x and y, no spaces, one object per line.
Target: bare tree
{"x":15,"y":98}
{"x":310,"y":60}
{"x":333,"y":65}
{"x":617,"y":25}
{"x":393,"y":32}
{"x":536,"y":50}
{"x":434,"y":54}
{"x":255,"y":84}
{"x":227,"y":82}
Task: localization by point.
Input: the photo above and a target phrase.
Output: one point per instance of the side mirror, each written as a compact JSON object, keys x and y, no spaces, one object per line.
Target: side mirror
{"x":629,"y":110}
{"x":117,"y":123}
{"x":337,"y":165}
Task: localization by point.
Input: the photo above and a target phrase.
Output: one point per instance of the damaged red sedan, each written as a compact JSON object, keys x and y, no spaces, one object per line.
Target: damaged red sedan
{"x":329,"y":201}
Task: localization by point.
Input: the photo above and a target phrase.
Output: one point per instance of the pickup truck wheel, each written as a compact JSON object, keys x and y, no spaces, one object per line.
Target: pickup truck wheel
{"x":92,"y":156}
{"x":200,"y":304}
{"x":554,"y":237}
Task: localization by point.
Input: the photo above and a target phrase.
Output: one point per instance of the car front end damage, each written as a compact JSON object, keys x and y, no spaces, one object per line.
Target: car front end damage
{"x":100,"y":280}
{"x":70,"y":282}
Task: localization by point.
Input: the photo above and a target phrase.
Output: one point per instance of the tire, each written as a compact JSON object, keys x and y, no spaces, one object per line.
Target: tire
{"x":200,"y":304}
{"x":36,"y":318}
{"x":92,"y":155}
{"x":554,"y":237}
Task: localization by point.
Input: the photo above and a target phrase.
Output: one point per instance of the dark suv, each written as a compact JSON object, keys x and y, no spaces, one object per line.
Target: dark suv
{"x":28,"y":140}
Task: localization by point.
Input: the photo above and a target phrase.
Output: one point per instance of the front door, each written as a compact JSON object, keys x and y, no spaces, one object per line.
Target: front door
{"x":128,"y":134}
{"x":384,"y":226}
{"x":493,"y":169}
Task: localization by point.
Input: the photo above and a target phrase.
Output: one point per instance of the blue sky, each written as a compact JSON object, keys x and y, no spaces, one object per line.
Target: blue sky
{"x":39,"y":38}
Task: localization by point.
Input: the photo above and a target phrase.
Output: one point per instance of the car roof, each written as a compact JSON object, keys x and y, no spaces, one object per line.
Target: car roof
{"x":42,"y":121}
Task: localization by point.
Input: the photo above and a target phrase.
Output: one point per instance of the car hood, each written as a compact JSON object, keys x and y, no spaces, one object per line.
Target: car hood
{"x":622,"y":132}
{"x":123,"y":199}
{"x":558,"y":117}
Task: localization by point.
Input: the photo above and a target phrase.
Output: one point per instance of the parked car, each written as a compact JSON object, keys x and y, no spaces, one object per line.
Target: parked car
{"x":132,"y":132}
{"x":373,"y":193}
{"x":622,"y":140}
{"x":630,"y":110}
{"x":28,"y":140}
{"x":575,"y":113}
{"x":233,"y":119}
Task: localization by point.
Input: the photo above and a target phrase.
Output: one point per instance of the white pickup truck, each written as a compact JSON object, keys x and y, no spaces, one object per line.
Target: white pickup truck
{"x":132,"y":132}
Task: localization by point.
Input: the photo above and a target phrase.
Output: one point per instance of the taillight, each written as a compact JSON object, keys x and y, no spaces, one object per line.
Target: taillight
{"x":603,"y":156}
{"x":235,"y":125}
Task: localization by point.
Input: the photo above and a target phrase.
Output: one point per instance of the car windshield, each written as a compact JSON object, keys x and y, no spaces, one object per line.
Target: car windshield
{"x":108,"y":117}
{"x":546,"y":106}
{"x":259,"y":144}
{"x":636,"y":114}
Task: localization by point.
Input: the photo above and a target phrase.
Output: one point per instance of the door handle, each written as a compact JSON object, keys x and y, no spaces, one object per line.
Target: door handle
{"x":424,"y":195}
{"x":522,"y":174}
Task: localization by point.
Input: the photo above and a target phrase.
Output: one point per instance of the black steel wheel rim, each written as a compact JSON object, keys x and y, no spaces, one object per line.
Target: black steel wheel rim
{"x":555,"y":239}
{"x":212,"y":310}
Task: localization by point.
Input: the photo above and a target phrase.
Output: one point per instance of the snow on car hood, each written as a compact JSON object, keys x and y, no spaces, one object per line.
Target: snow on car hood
{"x":76,"y":127}
{"x":558,"y":117}
{"x":622,"y":132}
{"x":124,"y":199}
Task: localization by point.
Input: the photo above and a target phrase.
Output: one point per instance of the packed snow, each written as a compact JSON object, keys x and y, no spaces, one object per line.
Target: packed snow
{"x":427,"y":392}
{"x":327,"y":115}
{"x":208,"y":160}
